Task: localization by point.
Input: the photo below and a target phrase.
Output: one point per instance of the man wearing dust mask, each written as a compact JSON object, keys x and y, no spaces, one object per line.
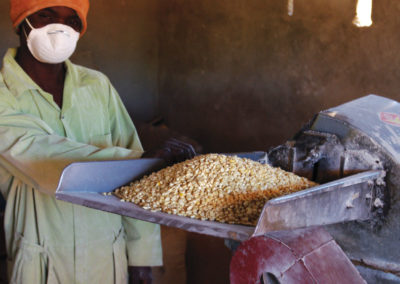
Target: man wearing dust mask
{"x":52,"y":113}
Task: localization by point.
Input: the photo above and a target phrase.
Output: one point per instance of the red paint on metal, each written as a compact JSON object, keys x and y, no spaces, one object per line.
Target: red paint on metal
{"x":301,"y":256}
{"x":390,"y":118}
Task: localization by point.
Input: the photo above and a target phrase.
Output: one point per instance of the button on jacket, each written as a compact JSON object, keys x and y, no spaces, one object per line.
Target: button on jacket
{"x":51,"y":241}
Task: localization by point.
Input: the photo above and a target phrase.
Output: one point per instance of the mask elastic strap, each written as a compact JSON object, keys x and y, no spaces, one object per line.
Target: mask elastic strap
{"x":29,"y":23}
{"x":23,"y":28}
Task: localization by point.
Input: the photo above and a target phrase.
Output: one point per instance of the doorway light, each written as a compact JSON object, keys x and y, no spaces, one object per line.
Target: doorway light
{"x":363,"y":13}
{"x":290,"y":7}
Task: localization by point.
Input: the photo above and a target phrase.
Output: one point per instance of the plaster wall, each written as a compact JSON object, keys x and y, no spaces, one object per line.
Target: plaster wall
{"x":237,"y":75}
{"x":242,"y":75}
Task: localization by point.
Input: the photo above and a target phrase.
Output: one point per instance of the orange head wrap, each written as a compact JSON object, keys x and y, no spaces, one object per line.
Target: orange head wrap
{"x":20,"y":9}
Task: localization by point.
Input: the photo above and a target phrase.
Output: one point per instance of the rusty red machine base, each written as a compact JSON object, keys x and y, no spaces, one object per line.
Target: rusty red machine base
{"x":301,"y":256}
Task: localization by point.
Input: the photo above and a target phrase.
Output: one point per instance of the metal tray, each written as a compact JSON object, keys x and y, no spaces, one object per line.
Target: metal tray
{"x":86,"y":183}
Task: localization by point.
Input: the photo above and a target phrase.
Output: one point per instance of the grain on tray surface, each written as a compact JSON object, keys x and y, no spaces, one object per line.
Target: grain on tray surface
{"x":213,"y":187}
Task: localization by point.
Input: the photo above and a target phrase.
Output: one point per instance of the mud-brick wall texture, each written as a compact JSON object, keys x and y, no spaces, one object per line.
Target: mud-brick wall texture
{"x":242,"y":75}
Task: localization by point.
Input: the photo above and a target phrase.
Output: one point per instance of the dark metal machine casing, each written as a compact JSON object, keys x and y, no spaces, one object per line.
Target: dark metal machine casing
{"x":357,"y":136}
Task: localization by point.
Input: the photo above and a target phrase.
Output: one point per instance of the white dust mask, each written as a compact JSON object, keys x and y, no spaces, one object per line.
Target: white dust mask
{"x":53,"y":43}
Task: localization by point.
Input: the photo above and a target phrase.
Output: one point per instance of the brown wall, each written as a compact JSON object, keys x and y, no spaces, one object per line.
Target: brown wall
{"x":237,"y":75}
{"x":242,"y":75}
{"x":8,"y":38}
{"x":122,"y":42}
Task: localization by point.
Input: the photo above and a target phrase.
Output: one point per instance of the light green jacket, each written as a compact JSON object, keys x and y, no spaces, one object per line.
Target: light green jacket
{"x":51,"y":241}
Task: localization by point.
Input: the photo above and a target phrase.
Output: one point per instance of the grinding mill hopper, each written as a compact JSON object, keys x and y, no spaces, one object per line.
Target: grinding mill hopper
{"x":352,"y":151}
{"x":349,"y":142}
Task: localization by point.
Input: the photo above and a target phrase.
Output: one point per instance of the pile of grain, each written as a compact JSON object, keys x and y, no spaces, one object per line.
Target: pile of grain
{"x":213,"y":187}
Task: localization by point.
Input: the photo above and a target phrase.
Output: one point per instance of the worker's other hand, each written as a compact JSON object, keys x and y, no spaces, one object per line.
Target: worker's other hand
{"x":140,"y":275}
{"x":173,"y":151}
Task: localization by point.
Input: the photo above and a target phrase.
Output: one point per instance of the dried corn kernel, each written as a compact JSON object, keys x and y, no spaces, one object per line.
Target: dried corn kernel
{"x":216,"y":187}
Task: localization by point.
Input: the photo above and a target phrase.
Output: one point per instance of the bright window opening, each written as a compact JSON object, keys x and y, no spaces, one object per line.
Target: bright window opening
{"x":363,"y":13}
{"x":290,"y":7}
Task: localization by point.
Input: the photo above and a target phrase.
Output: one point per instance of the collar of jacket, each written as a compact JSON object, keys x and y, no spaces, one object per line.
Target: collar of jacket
{"x":16,"y":79}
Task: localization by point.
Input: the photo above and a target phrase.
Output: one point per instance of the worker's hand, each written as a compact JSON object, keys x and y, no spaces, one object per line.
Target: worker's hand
{"x":140,"y":275}
{"x":174,"y":151}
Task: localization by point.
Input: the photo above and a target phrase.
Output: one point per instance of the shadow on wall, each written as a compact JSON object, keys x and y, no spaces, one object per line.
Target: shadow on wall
{"x":7,"y":34}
